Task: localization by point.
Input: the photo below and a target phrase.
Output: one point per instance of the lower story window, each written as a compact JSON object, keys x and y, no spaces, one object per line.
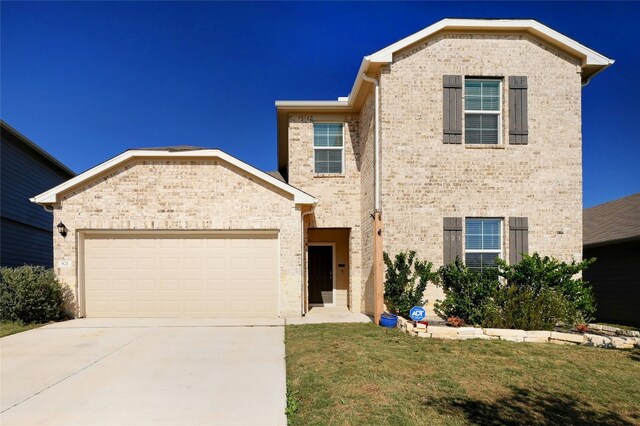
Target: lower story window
{"x":483,"y":243}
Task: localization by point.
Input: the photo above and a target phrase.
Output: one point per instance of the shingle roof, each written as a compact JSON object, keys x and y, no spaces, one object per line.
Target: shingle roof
{"x":612,"y":221}
{"x":276,"y":174}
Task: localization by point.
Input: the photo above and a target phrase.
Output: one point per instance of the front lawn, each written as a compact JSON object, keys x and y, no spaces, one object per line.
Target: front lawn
{"x":13,"y":327}
{"x":362,"y":374}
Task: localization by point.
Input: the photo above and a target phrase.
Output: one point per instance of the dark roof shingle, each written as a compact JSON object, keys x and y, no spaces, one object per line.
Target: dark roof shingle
{"x":615,"y":220}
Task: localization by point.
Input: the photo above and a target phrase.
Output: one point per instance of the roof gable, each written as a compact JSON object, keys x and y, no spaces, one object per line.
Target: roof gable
{"x":52,"y":196}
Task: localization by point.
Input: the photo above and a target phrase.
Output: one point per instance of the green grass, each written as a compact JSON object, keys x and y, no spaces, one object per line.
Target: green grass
{"x":361,"y":374}
{"x":13,"y":327}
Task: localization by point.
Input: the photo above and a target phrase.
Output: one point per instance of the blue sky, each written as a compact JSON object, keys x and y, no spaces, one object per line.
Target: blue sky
{"x":87,"y":81}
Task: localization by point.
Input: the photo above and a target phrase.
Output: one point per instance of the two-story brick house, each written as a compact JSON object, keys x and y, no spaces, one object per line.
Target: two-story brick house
{"x":463,"y":139}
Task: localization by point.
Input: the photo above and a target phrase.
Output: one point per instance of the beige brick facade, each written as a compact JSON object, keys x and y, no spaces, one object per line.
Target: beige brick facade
{"x":202,"y":195}
{"x":424,"y":180}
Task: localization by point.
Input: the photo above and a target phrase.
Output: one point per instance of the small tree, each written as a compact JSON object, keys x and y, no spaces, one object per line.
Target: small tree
{"x":406,"y":281}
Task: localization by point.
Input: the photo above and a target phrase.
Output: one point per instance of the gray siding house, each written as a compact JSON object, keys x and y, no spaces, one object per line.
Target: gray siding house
{"x":612,"y":235}
{"x":26,"y":229}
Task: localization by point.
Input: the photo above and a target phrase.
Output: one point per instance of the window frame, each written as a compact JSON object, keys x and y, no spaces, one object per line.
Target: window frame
{"x":315,"y":148}
{"x":498,"y":112}
{"x":500,"y":251}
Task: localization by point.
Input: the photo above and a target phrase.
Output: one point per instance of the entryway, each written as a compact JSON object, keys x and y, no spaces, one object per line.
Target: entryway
{"x":321,"y":274}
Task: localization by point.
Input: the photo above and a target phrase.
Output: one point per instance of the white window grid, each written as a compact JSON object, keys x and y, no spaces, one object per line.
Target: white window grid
{"x":341,"y":148}
{"x":500,"y":251}
{"x":481,"y":112}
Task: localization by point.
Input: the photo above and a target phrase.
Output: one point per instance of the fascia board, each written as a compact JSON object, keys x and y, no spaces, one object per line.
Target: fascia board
{"x":589,"y":56}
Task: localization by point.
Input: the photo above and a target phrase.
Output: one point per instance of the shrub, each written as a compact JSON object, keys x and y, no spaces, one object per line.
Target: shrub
{"x":32,"y":294}
{"x":406,"y":281}
{"x":469,"y":295}
{"x":535,"y":294}
{"x":524,"y":309}
{"x":542,"y":274}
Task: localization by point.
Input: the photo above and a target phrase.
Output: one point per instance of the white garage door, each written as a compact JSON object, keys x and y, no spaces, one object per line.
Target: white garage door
{"x":169,"y":275}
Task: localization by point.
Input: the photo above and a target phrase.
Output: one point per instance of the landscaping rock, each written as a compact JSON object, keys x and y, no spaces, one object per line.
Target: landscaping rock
{"x":567,"y":337}
{"x":595,"y":326}
{"x":443,"y":332}
{"x":629,"y":333}
{"x":465,"y":331}
{"x":506,"y":334}
{"x":536,"y":333}
{"x":597,"y":340}
{"x":609,"y":329}
{"x":534,"y":336}
{"x":423,"y":334}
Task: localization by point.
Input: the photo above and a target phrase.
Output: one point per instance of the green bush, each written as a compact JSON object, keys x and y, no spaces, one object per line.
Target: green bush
{"x":32,"y":294}
{"x":535,"y":294}
{"x":540,"y":275}
{"x":406,"y":281}
{"x":469,"y":295}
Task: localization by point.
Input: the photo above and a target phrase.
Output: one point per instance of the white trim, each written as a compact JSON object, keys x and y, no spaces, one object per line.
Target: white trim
{"x":52,"y":196}
{"x":499,"y":112}
{"x":502,"y":240}
{"x":589,"y":56}
{"x":333,"y":274}
{"x":342,"y":165}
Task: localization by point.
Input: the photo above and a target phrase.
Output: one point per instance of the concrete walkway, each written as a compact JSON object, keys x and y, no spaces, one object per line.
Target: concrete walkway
{"x":322,"y":315}
{"x":141,"y":372}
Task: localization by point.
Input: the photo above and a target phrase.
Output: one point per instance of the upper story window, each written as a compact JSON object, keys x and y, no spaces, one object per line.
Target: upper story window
{"x":482,"y":111}
{"x":328,"y":147}
{"x":483,"y":243}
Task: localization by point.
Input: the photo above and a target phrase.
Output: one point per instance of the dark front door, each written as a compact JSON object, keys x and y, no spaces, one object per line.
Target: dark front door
{"x":320,"y":275}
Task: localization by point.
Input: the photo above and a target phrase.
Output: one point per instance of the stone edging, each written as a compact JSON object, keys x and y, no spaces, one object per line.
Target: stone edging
{"x":465,"y":333}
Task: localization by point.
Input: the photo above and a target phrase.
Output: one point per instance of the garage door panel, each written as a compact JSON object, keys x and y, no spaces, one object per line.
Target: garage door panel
{"x":181,"y":276}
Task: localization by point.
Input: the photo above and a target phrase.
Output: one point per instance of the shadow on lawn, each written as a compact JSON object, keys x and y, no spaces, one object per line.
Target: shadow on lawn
{"x":525,"y":407}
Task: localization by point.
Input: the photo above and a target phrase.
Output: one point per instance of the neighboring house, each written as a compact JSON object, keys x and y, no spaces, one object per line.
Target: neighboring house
{"x":26,"y":229}
{"x":402,"y":163}
{"x":612,"y":235}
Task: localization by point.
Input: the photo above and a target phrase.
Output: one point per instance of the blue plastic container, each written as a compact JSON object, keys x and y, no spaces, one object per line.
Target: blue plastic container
{"x":388,"y":320}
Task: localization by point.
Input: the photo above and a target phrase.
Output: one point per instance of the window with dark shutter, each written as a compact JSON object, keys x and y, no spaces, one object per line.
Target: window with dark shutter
{"x":518,"y":238}
{"x":452,"y":243}
{"x":518,"y":111}
{"x":452,"y":100}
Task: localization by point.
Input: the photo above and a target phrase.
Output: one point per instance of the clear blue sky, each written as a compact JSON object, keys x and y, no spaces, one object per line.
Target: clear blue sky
{"x":87,"y":81}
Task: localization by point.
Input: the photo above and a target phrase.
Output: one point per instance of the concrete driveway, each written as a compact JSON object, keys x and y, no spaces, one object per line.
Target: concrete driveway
{"x":145,"y":371}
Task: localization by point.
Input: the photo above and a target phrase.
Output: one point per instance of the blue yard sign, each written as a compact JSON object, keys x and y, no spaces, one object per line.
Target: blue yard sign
{"x":417,"y":313}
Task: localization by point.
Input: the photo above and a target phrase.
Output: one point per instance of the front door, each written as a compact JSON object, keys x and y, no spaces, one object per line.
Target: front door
{"x":320,"y":275}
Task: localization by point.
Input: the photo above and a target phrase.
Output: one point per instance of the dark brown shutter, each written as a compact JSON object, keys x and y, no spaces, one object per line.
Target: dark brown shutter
{"x":452,"y":97}
{"x":452,"y":239}
{"x":518,"y":238}
{"x":518,"y":111}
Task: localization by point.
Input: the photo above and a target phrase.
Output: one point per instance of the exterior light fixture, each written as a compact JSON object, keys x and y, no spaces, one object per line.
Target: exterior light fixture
{"x":62,"y":229}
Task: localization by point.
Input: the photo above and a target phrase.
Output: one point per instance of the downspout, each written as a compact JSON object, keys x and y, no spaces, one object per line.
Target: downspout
{"x":303,"y":259}
{"x":376,"y":140}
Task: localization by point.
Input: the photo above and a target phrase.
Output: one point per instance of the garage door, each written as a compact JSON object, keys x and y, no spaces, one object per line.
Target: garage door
{"x":168,"y":275}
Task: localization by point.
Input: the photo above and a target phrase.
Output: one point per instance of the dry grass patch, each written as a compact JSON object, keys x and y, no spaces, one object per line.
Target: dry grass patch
{"x":357,"y":374}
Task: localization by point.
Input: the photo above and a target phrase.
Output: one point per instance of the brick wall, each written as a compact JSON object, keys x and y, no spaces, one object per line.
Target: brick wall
{"x":424,"y":180}
{"x":183,"y":195}
{"x":338,"y":195}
